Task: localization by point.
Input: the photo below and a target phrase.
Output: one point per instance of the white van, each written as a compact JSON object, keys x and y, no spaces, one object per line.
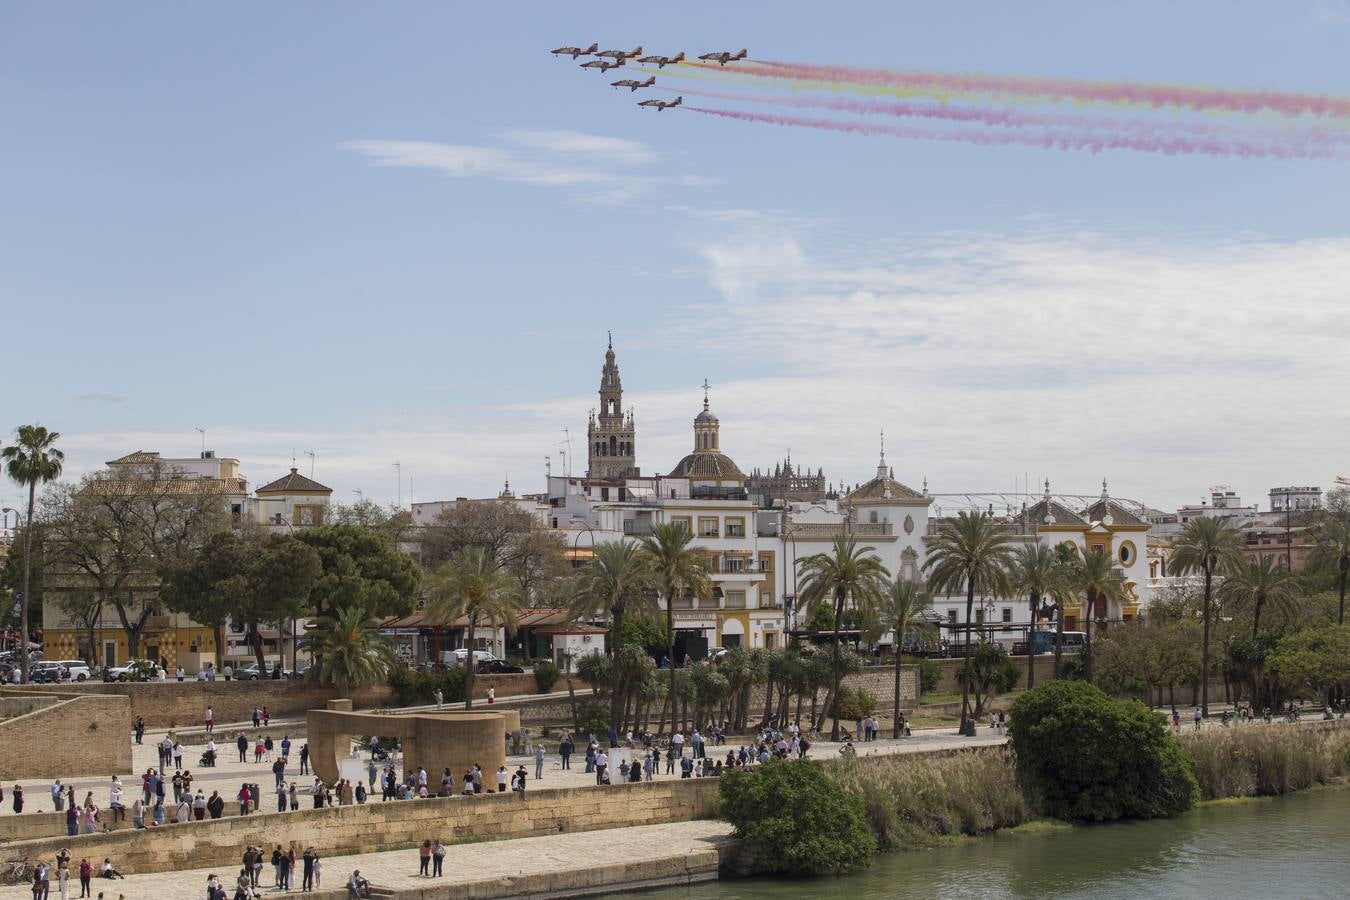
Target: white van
{"x":460,"y":657}
{"x":78,"y":668}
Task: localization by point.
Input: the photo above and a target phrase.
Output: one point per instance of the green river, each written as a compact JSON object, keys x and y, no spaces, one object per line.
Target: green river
{"x":1288,"y":848}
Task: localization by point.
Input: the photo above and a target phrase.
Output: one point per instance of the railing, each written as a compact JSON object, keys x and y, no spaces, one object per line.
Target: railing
{"x":682,"y":603}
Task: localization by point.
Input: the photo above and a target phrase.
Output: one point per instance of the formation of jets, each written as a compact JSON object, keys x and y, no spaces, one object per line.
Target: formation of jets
{"x":612,"y":59}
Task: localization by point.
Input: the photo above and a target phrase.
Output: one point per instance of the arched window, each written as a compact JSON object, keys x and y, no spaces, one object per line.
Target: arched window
{"x":613,"y":446}
{"x":873,"y":517}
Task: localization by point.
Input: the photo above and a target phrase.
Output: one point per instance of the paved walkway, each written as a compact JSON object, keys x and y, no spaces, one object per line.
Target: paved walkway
{"x":499,"y":868}
{"x":229,"y":774}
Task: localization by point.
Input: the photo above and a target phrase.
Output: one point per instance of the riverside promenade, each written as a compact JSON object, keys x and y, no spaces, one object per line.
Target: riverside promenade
{"x":555,"y":866}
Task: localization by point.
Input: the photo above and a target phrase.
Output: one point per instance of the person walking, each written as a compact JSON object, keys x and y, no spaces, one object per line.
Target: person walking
{"x":216,"y":805}
{"x":63,"y":872}
{"x":437,"y":858}
{"x":139,"y":729}
{"x":1198,"y":717}
{"x":492,"y":695}
{"x":294,"y":795}
{"x":267,"y":717}
{"x":538,"y":762}
{"x":601,"y":763}
{"x":242,"y":743}
{"x":565,"y":748}
{"x":424,"y":859}
{"x":210,"y":721}
{"x":304,"y":759}
{"x":307,"y":872}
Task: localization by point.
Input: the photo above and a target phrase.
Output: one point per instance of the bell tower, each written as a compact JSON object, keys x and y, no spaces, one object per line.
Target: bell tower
{"x":610,"y":434}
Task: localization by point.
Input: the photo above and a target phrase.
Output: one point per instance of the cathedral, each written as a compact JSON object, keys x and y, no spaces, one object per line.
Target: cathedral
{"x":610,"y":435}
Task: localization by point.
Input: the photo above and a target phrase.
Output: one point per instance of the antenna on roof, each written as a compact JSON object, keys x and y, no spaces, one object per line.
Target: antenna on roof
{"x":311,"y":454}
{"x":202,"y":432}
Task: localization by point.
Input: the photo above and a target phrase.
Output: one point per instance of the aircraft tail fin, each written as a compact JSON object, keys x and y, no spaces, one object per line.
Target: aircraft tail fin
{"x":678,"y":56}
{"x":678,"y":101}
{"x":592,"y":48}
{"x":742,"y":54}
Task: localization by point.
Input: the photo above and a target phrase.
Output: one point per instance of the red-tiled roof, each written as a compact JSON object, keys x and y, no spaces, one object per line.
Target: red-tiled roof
{"x":293,"y":482}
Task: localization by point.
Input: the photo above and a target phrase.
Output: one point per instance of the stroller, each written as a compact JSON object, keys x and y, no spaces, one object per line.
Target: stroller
{"x":208,"y":759}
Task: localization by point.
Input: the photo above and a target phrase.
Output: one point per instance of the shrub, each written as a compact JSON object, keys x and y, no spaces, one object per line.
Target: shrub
{"x":930,"y":673}
{"x":592,"y":717}
{"x":1091,"y":757}
{"x":796,"y":818}
{"x":855,"y":704}
{"x":419,"y":687}
{"x":545,"y":675}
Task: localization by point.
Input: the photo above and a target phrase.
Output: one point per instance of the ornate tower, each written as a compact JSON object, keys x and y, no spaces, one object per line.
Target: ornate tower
{"x":610,"y":434}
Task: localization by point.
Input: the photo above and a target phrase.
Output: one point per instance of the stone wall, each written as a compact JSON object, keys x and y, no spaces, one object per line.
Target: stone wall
{"x":170,"y":704}
{"x":77,"y":736}
{"x":948,"y":684}
{"x":385,"y":826}
{"x":19,"y":706}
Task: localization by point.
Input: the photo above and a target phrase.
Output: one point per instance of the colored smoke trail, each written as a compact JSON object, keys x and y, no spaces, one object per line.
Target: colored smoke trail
{"x":1060,"y":89}
{"x":1008,"y":118}
{"x":1049,"y":139}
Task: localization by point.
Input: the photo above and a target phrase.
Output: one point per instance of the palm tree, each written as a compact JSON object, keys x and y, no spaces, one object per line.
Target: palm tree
{"x":1212,"y":547}
{"x":847,"y":573}
{"x":617,"y":580}
{"x":32,"y":460}
{"x":1102,"y":582}
{"x":974,"y":553}
{"x":350,"y":648}
{"x":678,"y":571}
{"x":471,"y":585}
{"x":1333,"y":549}
{"x":1258,"y":582}
{"x":903,"y":611}
{"x":1035,"y":568}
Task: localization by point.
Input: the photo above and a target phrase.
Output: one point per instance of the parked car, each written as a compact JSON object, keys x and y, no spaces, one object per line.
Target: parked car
{"x":78,"y":668}
{"x":132,"y":670}
{"x":250,"y":672}
{"x":48,"y":673}
{"x":495,"y":667}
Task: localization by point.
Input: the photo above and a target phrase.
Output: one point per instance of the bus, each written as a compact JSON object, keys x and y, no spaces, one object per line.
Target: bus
{"x":1044,"y":641}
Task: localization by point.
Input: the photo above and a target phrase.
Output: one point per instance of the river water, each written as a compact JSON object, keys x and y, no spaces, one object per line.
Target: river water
{"x":1290,"y":848}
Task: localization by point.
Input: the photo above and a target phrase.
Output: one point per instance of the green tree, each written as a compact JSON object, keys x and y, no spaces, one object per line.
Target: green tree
{"x":252,"y":579}
{"x":1254,"y":583}
{"x":1212,"y":547}
{"x":1090,"y":757}
{"x":616,"y":581}
{"x":473,"y":587}
{"x":991,"y":672}
{"x":677,"y":570}
{"x":1101,"y":582}
{"x":350,"y":649}
{"x":796,"y":818}
{"x":31,"y":460}
{"x":972,"y":553}
{"x":847,"y":574}
{"x":1316,"y":659}
{"x":1332,"y":552}
{"x":904,"y":611}
{"x":1034,"y":570}
{"x":361,"y":568}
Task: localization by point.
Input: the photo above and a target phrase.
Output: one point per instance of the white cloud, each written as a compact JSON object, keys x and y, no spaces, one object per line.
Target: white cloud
{"x":1166,"y":364}
{"x":604,"y":170}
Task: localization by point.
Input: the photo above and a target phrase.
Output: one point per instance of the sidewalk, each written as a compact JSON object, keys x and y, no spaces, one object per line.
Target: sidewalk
{"x":553,"y":866}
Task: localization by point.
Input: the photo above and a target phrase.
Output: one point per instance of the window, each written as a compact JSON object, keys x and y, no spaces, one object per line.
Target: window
{"x":735,"y":600}
{"x":951,"y":616}
{"x":685,"y":521}
{"x":1127,"y":553}
{"x":707,"y":526}
{"x":765,"y":600}
{"x":732,"y":564}
{"x":1007,"y":613}
{"x":735,"y":527}
{"x":872,"y":517}
{"x":604,"y":493}
{"x":766,"y":562}
{"x":979,"y":616}
{"x":769,"y":639}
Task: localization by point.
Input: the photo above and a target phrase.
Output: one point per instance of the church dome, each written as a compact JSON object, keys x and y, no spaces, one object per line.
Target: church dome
{"x":708,"y":464}
{"x":705,"y":416}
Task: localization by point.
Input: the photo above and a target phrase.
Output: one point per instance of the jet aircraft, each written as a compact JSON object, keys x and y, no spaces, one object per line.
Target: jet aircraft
{"x":633,"y":84}
{"x":574,"y":52}
{"x":662,"y":104}
{"x":621,"y":54}
{"x":603,"y":65}
{"x":663,"y":61}
{"x":723,"y":57}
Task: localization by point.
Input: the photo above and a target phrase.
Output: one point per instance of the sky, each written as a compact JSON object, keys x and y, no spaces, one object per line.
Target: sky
{"x":400,"y":233}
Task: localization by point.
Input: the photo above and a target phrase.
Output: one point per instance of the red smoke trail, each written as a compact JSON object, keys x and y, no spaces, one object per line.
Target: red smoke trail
{"x":1008,"y":118}
{"x":1155,"y":95}
{"x":1046,"y":139}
